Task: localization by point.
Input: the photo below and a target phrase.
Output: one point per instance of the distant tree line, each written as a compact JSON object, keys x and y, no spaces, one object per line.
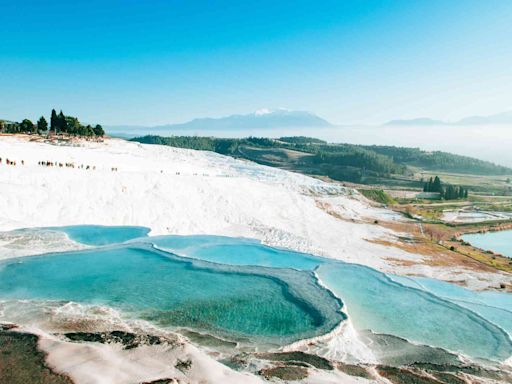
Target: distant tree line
{"x":59,"y":124}
{"x":301,"y":140}
{"x":202,"y":143}
{"x":223,"y":146}
{"x":439,"y":161}
{"x":448,"y":192}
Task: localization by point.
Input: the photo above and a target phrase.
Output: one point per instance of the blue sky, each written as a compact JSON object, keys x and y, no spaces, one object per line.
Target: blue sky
{"x":156,"y":62}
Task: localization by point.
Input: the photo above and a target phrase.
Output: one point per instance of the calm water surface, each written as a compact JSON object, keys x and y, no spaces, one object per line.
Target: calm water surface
{"x":500,"y":241}
{"x":239,"y":288}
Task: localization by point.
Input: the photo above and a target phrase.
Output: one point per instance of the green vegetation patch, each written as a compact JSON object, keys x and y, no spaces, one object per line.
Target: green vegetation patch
{"x":297,"y":356}
{"x":404,"y":376}
{"x":354,"y":370}
{"x":285,"y":373}
{"x":21,"y":362}
{"x":377,"y":195}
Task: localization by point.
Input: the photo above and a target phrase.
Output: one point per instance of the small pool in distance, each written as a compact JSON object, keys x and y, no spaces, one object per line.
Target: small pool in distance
{"x":499,"y":242}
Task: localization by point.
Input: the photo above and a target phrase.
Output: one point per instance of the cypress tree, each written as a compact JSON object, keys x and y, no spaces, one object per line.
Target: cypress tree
{"x":429,"y":185}
{"x":63,"y":125}
{"x":447,"y":193}
{"x":54,"y":121}
{"x":436,"y":186}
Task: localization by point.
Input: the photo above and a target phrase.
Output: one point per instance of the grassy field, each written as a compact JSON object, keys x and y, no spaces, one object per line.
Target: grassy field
{"x":378,"y":195}
{"x":485,"y":185}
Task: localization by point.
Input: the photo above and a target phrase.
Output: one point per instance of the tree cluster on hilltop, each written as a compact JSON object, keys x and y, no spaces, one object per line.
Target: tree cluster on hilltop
{"x":59,"y":124}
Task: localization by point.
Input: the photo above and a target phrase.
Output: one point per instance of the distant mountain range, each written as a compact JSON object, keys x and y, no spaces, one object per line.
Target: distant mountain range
{"x":264,"y":118}
{"x":500,"y":118}
{"x":283,"y":118}
{"x":497,"y":119}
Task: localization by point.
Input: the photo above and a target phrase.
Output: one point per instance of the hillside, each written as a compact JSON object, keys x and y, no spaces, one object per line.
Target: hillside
{"x":440,"y":161}
{"x":381,"y":165}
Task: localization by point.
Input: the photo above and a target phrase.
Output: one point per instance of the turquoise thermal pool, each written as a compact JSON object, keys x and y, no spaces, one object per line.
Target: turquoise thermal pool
{"x":243,"y":290}
{"x":499,"y":242}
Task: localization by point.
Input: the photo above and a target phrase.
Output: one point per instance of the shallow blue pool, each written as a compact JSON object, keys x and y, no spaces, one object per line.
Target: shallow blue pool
{"x":235,"y":251}
{"x":376,"y":302}
{"x":494,"y":306}
{"x":241,"y":289}
{"x":499,"y":242}
{"x":255,"y":303}
{"x":404,"y":307}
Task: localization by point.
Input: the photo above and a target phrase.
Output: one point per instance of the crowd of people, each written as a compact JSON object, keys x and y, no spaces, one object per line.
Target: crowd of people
{"x":57,"y":164}
{"x":11,"y":162}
